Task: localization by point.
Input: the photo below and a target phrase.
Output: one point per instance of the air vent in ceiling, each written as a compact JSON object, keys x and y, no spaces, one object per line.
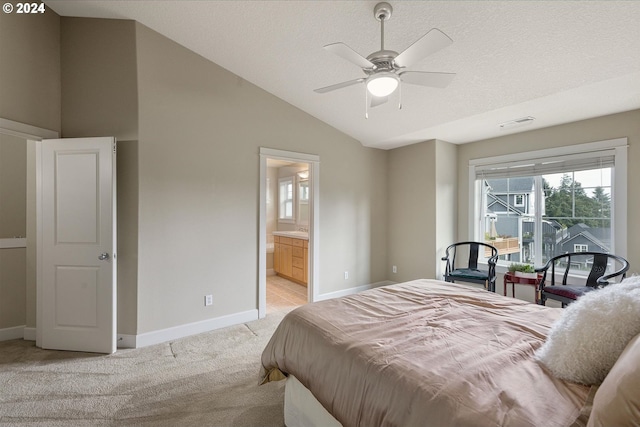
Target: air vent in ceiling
{"x":517,"y":122}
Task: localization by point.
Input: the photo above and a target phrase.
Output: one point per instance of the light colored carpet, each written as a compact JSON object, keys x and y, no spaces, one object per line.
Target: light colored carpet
{"x":210,"y":379}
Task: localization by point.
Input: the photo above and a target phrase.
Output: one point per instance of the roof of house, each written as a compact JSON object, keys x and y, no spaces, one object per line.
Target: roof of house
{"x":511,"y":185}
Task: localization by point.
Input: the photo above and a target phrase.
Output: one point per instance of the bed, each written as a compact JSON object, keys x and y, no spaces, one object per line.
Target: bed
{"x":420,"y":353}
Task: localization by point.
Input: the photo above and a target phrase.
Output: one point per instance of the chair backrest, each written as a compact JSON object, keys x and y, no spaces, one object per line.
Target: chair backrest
{"x":600,"y":263}
{"x":473,"y":250}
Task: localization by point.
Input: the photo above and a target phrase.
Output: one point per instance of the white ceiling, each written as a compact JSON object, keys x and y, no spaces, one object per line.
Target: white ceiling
{"x":558,"y":61}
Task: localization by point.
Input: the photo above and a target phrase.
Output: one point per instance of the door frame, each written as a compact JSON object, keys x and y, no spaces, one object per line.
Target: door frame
{"x":313,"y":285}
{"x":33,"y":136}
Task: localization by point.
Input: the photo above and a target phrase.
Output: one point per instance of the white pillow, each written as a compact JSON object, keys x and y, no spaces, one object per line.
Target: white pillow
{"x":584,"y":344}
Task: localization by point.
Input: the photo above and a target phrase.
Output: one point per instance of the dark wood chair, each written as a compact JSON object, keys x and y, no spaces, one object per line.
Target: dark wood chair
{"x":470,"y":271}
{"x":601,"y":263}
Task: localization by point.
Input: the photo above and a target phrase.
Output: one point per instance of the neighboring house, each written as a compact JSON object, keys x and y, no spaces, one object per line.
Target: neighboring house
{"x":582,"y":238}
{"x":509,"y":205}
{"x":513,"y":195}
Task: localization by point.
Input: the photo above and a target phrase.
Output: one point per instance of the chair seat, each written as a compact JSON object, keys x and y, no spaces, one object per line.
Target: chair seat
{"x":469,"y":273}
{"x":572,"y":292}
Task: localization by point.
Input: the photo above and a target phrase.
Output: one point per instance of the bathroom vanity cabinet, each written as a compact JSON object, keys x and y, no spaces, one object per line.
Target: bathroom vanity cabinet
{"x":291,"y":258}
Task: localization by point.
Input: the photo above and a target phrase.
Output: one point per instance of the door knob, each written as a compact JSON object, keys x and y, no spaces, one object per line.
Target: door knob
{"x":103,"y":256}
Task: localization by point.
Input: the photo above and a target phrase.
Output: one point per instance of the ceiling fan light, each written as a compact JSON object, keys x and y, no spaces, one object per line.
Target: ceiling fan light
{"x":382,"y":84}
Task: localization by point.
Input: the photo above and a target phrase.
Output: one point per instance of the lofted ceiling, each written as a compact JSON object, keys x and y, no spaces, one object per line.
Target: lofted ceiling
{"x":557,"y":61}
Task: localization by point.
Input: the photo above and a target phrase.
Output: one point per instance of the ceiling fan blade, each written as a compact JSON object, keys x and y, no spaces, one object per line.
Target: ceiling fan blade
{"x":338,"y":86}
{"x":378,"y":100}
{"x":430,"y":43}
{"x":349,"y":54}
{"x":425,"y":78}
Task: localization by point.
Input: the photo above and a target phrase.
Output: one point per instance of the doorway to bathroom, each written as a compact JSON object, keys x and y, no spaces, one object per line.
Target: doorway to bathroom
{"x":288,"y":232}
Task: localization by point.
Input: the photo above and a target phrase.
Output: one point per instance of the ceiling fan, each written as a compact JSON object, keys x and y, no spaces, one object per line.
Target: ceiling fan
{"x":384,"y":69}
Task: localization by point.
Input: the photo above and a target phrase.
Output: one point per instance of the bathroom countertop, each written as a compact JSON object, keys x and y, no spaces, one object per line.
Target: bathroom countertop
{"x":293,"y":234}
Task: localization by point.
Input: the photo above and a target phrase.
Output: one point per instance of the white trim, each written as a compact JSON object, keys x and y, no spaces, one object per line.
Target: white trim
{"x":288,"y":155}
{"x":13,"y":243}
{"x":351,"y":291}
{"x":126,"y":341}
{"x":29,"y":334}
{"x":13,"y":333}
{"x":23,"y":130}
{"x":177,"y":332}
{"x":551,"y":152}
{"x":262,"y":238}
{"x":313,"y":285}
{"x":619,"y":207}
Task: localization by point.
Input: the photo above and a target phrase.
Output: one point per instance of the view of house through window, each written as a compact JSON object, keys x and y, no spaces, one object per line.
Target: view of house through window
{"x":572,"y":214}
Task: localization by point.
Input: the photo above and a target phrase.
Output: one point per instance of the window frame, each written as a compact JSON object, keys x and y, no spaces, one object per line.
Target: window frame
{"x":515,"y":200}
{"x":287,"y":219}
{"x":590,"y":149}
{"x":578,"y":247}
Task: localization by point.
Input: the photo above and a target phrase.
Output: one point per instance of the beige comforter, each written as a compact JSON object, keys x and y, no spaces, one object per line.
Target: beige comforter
{"x":424,"y":353}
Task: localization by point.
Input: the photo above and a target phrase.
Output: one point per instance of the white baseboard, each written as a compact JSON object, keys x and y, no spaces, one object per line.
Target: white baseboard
{"x":164,"y":335}
{"x":126,"y":341}
{"x":352,"y":291}
{"x":30,"y":334}
{"x":13,"y":333}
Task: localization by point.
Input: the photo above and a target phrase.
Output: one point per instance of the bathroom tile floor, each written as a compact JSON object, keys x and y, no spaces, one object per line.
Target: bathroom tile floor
{"x":283,"y":294}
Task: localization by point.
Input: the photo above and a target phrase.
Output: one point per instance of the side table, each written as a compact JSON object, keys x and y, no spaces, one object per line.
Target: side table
{"x":513,"y":279}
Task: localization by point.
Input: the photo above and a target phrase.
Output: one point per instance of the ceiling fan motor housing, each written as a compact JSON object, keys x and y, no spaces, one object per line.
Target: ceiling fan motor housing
{"x":382,"y":60}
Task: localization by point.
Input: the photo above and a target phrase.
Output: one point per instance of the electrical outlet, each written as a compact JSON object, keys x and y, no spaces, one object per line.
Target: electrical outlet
{"x":208,"y":300}
{"x":346,"y":275}
{"x":394,"y":269}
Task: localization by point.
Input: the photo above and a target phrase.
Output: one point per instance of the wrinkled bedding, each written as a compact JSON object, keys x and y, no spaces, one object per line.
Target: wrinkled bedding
{"x":424,"y":353}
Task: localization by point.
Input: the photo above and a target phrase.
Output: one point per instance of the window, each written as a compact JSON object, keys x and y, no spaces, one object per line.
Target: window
{"x":285,"y":200}
{"x":519,"y":200}
{"x":570,"y":197}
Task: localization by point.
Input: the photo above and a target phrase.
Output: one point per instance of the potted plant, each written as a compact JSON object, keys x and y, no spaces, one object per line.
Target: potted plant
{"x":523,"y":270}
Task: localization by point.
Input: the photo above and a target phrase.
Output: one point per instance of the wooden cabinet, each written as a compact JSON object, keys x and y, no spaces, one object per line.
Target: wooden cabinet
{"x":290,"y":258}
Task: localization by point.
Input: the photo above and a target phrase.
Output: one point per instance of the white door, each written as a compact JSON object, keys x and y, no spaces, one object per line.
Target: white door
{"x":78,"y":243}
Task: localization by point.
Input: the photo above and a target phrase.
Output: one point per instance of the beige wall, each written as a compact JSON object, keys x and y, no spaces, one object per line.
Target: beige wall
{"x":200,"y":132}
{"x":13,"y":204}
{"x":100,"y":98}
{"x":127,"y":199}
{"x":30,"y":68}
{"x":99,"y":78}
{"x":597,"y":129}
{"x":446,"y":202}
{"x":421,"y":192}
{"x":13,"y":187}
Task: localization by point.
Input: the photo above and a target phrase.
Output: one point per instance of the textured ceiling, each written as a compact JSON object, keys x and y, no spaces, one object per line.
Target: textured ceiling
{"x":558,"y":61}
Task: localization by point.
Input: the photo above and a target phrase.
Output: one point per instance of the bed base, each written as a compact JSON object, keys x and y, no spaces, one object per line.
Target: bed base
{"x":302,"y":409}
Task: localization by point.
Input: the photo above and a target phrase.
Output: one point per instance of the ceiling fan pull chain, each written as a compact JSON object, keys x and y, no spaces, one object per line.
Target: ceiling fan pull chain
{"x":400,"y":96}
